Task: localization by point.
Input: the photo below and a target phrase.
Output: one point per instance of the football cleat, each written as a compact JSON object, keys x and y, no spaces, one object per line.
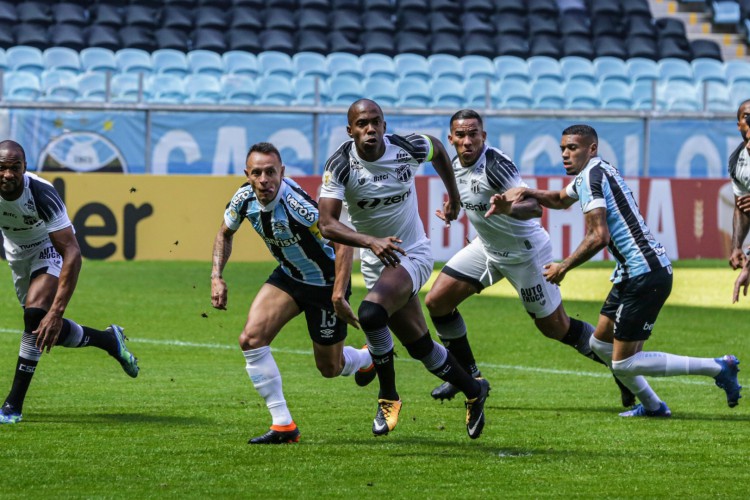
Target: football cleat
{"x":278,"y":434}
{"x":727,"y":378}
{"x":8,"y":415}
{"x":626,"y":395}
{"x":640,"y":411}
{"x":444,"y":391}
{"x":128,"y":362}
{"x":475,"y":410}
{"x":364,"y":376}
{"x":387,"y":416}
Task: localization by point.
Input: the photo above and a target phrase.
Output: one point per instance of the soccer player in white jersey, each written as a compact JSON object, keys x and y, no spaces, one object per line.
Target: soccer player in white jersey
{"x":511,"y":245}
{"x":45,"y":259}
{"x":374,"y":174}
{"x":642,"y":279}
{"x":309,"y":279}
{"x":739,"y":172}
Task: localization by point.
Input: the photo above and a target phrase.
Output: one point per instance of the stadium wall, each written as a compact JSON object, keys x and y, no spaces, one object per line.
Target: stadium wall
{"x":151,"y":217}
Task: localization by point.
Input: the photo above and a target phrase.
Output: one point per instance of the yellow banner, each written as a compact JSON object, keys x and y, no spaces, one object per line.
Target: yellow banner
{"x":146,"y":217}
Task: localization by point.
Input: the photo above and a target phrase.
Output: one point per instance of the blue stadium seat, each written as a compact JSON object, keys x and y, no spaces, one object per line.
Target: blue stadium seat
{"x":646,"y":95}
{"x":59,"y":86}
{"x":237,"y":62}
{"x":544,"y":68}
{"x":640,"y":68}
{"x":345,"y":89}
{"x":739,"y":92}
{"x":210,"y":17}
{"x":513,"y":94}
{"x":205,"y":62}
{"x":31,"y":35}
{"x":275,"y":90}
{"x":737,"y":70}
{"x":310,"y":64}
{"x":615,"y":94}
{"x":478,"y":67}
{"x":447,"y":93}
{"x":276,"y":63}
{"x":166,"y":88}
{"x":382,"y":90}
{"x":344,"y":64}
{"x":510,"y":24}
{"x":21,"y":86}
{"x":202,"y":89}
{"x":377,"y":66}
{"x":548,"y":94}
{"x":445,"y":65}
{"x":611,"y":68}
{"x":582,"y":95}
{"x":672,"y":69}
{"x":477,"y":92}
{"x":708,"y":70}
{"x":125,"y":88}
{"x":142,"y":16}
{"x":725,"y":12}
{"x":34,"y":13}
{"x":412,"y":65}
{"x":414,"y":93}
{"x":717,"y":97}
{"x":176,"y":17}
{"x":306,"y":93}
{"x":92,"y":87}
{"x":61,"y":58}
{"x":98,"y":59}
{"x":312,"y":19}
{"x":605,"y":8}
{"x":105,"y":15}
{"x":24,"y":58}
{"x":238,"y":89}
{"x":133,"y":61}
{"x":512,"y":67}
{"x":246,"y":18}
{"x":576,"y":69}
{"x":543,"y":7}
{"x":511,"y":6}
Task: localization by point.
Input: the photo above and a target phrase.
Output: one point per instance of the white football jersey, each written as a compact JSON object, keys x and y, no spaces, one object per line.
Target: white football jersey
{"x":741,"y":178}
{"x":26,"y":221}
{"x":504,"y":238}
{"x":380,"y":196}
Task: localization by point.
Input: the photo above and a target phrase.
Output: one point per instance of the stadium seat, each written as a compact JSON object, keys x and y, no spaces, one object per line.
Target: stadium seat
{"x":705,"y":49}
{"x":674,"y":48}
{"x":708,"y":70}
{"x":578,"y":46}
{"x":21,"y":86}
{"x":8,"y":13}
{"x":166,"y":88}
{"x":245,"y":18}
{"x":480,"y":6}
{"x":69,"y":13}
{"x":605,"y":8}
{"x":97,"y":59}
{"x":615,"y":94}
{"x":611,"y":68}
{"x":312,"y":41}
{"x":59,"y":85}
{"x":345,"y":20}
{"x":449,"y":6}
{"x":345,"y":89}
{"x":548,"y":94}
{"x":3,"y":60}
{"x":473,"y":23}
{"x":412,"y":65}
{"x":642,"y":47}
{"x":277,"y":41}
{"x":238,"y":89}
{"x":312,"y":19}
{"x":311,"y":91}
{"x":31,"y":35}
{"x":275,"y":63}
{"x":512,"y":68}
{"x":202,"y":89}
{"x":310,"y":64}
{"x":737,"y":70}
{"x":209,"y":17}
{"x":512,"y":45}
{"x":67,"y":35}
{"x":543,"y":7}
{"x":7,"y":39}
{"x":412,"y":43}
{"x":377,"y":5}
{"x":542,"y":25}
{"x":133,"y":61}
{"x":275,"y":90}
{"x":635,"y":8}
{"x":479,"y":95}
{"x":511,"y":6}
{"x":26,"y":59}
{"x":510,"y":24}
{"x":129,"y":88}
{"x":238,"y":62}
{"x":671,"y":69}
{"x":379,"y":21}
{"x":142,"y":16}
{"x":447,"y":44}
{"x":447,"y":93}
{"x":341,"y":41}
{"x":479,"y":45}
{"x":105,"y":37}
{"x":445,"y":66}
{"x":642,"y":69}
{"x":641,"y":26}
{"x":646,"y":96}
{"x":725,"y":13}
{"x":205,"y":62}
{"x":243,"y":40}
{"x":174,"y":39}
{"x":545,"y":46}
{"x":414,"y":93}
{"x":92,"y":87}
{"x":610,"y":46}
{"x":575,"y":23}
{"x":477,"y":67}
{"x":738,"y":93}
{"x":105,"y":15}
{"x":577,"y":69}
{"x":61,"y":58}
{"x":344,"y":64}
{"x":377,"y":66}
{"x":582,"y":95}
{"x":544,"y":68}
{"x":168,"y":61}
{"x":716,"y":96}
{"x":178,"y":18}
{"x":412,"y":22}
{"x":34,"y":13}
{"x":513,"y":94}
{"x":137,"y":37}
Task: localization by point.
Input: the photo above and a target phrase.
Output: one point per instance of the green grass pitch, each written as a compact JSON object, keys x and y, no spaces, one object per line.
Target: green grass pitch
{"x":180,"y":429}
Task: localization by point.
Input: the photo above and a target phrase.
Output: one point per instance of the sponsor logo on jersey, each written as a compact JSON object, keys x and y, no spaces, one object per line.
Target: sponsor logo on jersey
{"x":354,"y":163}
{"x":327,"y":333}
{"x":29,"y":220}
{"x":362,"y":181}
{"x":379,"y":178}
{"x":403,"y":173}
{"x":295,"y":205}
{"x":30,"y":245}
{"x":29,"y":204}
{"x":477,"y":207}
{"x":647,"y":327}
{"x":402,"y":156}
{"x":48,"y":253}
{"x":239,"y":198}
{"x":390,"y":200}
{"x":533,"y":294}
{"x":10,"y":214}
{"x":285,"y":242}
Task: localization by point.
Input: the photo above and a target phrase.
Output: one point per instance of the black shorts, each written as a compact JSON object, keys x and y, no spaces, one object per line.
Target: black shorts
{"x":634,"y":303}
{"x":324,"y":327}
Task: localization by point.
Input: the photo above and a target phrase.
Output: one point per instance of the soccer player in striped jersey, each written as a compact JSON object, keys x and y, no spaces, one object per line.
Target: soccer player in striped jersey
{"x":510,"y":245}
{"x":642,"y":279}
{"x":310,"y":278}
{"x":45,"y":260}
{"x":374,"y":174}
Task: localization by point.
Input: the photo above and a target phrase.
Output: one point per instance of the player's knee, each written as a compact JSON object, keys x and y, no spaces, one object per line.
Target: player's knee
{"x":372,"y":316}
{"x":250,"y":340}
{"x":436,"y":305}
{"x":329,"y":368}
{"x":624,"y":367}
{"x":32,"y":316}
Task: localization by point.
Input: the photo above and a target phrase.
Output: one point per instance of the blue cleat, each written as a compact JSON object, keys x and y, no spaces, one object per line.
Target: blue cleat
{"x":727,"y":378}
{"x":639,"y":411}
{"x":124,"y":356}
{"x":8,"y":415}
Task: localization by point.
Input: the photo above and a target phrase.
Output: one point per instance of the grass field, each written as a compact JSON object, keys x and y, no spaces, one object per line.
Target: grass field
{"x":180,"y":428}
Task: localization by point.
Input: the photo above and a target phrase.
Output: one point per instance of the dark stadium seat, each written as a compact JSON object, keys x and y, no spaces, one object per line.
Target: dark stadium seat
{"x":640,"y":26}
{"x":342,"y":41}
{"x":610,"y":46}
{"x":312,"y":4}
{"x":188,"y":4}
{"x":69,"y":13}
{"x":67,"y":35}
{"x":312,"y":41}
{"x":636,"y":8}
{"x":705,"y":49}
{"x":605,"y":7}
{"x":34,"y":12}
{"x":346,"y":4}
{"x":243,"y":39}
{"x":106,"y":15}
{"x":245,"y":18}
{"x":212,"y":18}
{"x":33,"y":35}
{"x":474,"y":22}
{"x":8,"y":13}
{"x":539,"y":24}
{"x":510,"y":6}
{"x":221,"y":4}
{"x":418,"y":5}
{"x":545,"y":45}
{"x":381,"y":5}
{"x":379,"y":42}
{"x":378,"y":20}
{"x":669,"y":27}
{"x":179,"y":18}
{"x":510,"y":24}
{"x":512,"y":45}
{"x":287,"y":5}
{"x":137,"y":37}
{"x":412,"y":21}
{"x":578,"y":45}
{"x":675,"y":48}
{"x":102,"y":36}
{"x":345,"y":20}
{"x":312,"y":19}
{"x":257,"y":4}
{"x":606,"y":25}
{"x":141,"y":16}
{"x":574,"y":23}
{"x":543,"y":7}
{"x":479,"y":6}
{"x":277,"y":40}
{"x":446,"y":43}
{"x":448,"y":6}
{"x":412,"y":43}
{"x":479,"y":44}
{"x":645,"y":47}
{"x":167,"y":38}
{"x":442,"y":22}
{"x":277,"y":19}
{"x":6,"y":36}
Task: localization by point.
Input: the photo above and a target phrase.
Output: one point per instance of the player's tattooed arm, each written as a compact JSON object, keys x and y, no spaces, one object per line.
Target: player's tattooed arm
{"x":221,"y":252}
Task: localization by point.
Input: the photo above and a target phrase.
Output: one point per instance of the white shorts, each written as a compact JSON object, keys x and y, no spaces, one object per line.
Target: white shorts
{"x":417,"y":262}
{"x":474,"y":265}
{"x":42,"y":260}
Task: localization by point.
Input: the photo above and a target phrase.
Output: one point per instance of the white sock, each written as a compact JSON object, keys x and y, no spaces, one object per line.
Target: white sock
{"x":263,"y":372}
{"x":663,"y":364}
{"x":355,"y":359}
{"x":636,"y":384}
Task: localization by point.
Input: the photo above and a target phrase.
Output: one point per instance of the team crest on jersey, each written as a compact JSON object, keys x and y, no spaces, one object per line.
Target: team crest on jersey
{"x":403,"y":173}
{"x":29,"y":220}
{"x":475,"y":186}
{"x":402,"y":156}
{"x":326,"y":178}
{"x":278,"y":226}
{"x":579,"y":181}
{"x":233,"y":213}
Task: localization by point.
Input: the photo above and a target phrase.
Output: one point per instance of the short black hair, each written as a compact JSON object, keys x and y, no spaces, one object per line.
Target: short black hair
{"x":466,"y":114}
{"x":746,"y":101}
{"x":582,"y":130}
{"x":264,"y":147}
{"x":8,"y":144}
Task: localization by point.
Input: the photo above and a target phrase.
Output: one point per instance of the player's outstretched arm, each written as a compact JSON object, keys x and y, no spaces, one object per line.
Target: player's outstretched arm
{"x":517,"y":207}
{"x":222,"y":251}
{"x":597,"y":237}
{"x":740,"y":227}
{"x":742,"y":282}
{"x":66,"y":245}
{"x":442,"y":163}
{"x":344,"y":257}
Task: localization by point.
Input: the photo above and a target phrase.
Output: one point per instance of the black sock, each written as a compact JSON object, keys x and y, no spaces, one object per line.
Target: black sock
{"x":461,"y":350}
{"x":578,"y":336}
{"x":102,"y":339}
{"x":386,"y":371}
{"x":451,"y":371}
{"x":25,"y":369}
